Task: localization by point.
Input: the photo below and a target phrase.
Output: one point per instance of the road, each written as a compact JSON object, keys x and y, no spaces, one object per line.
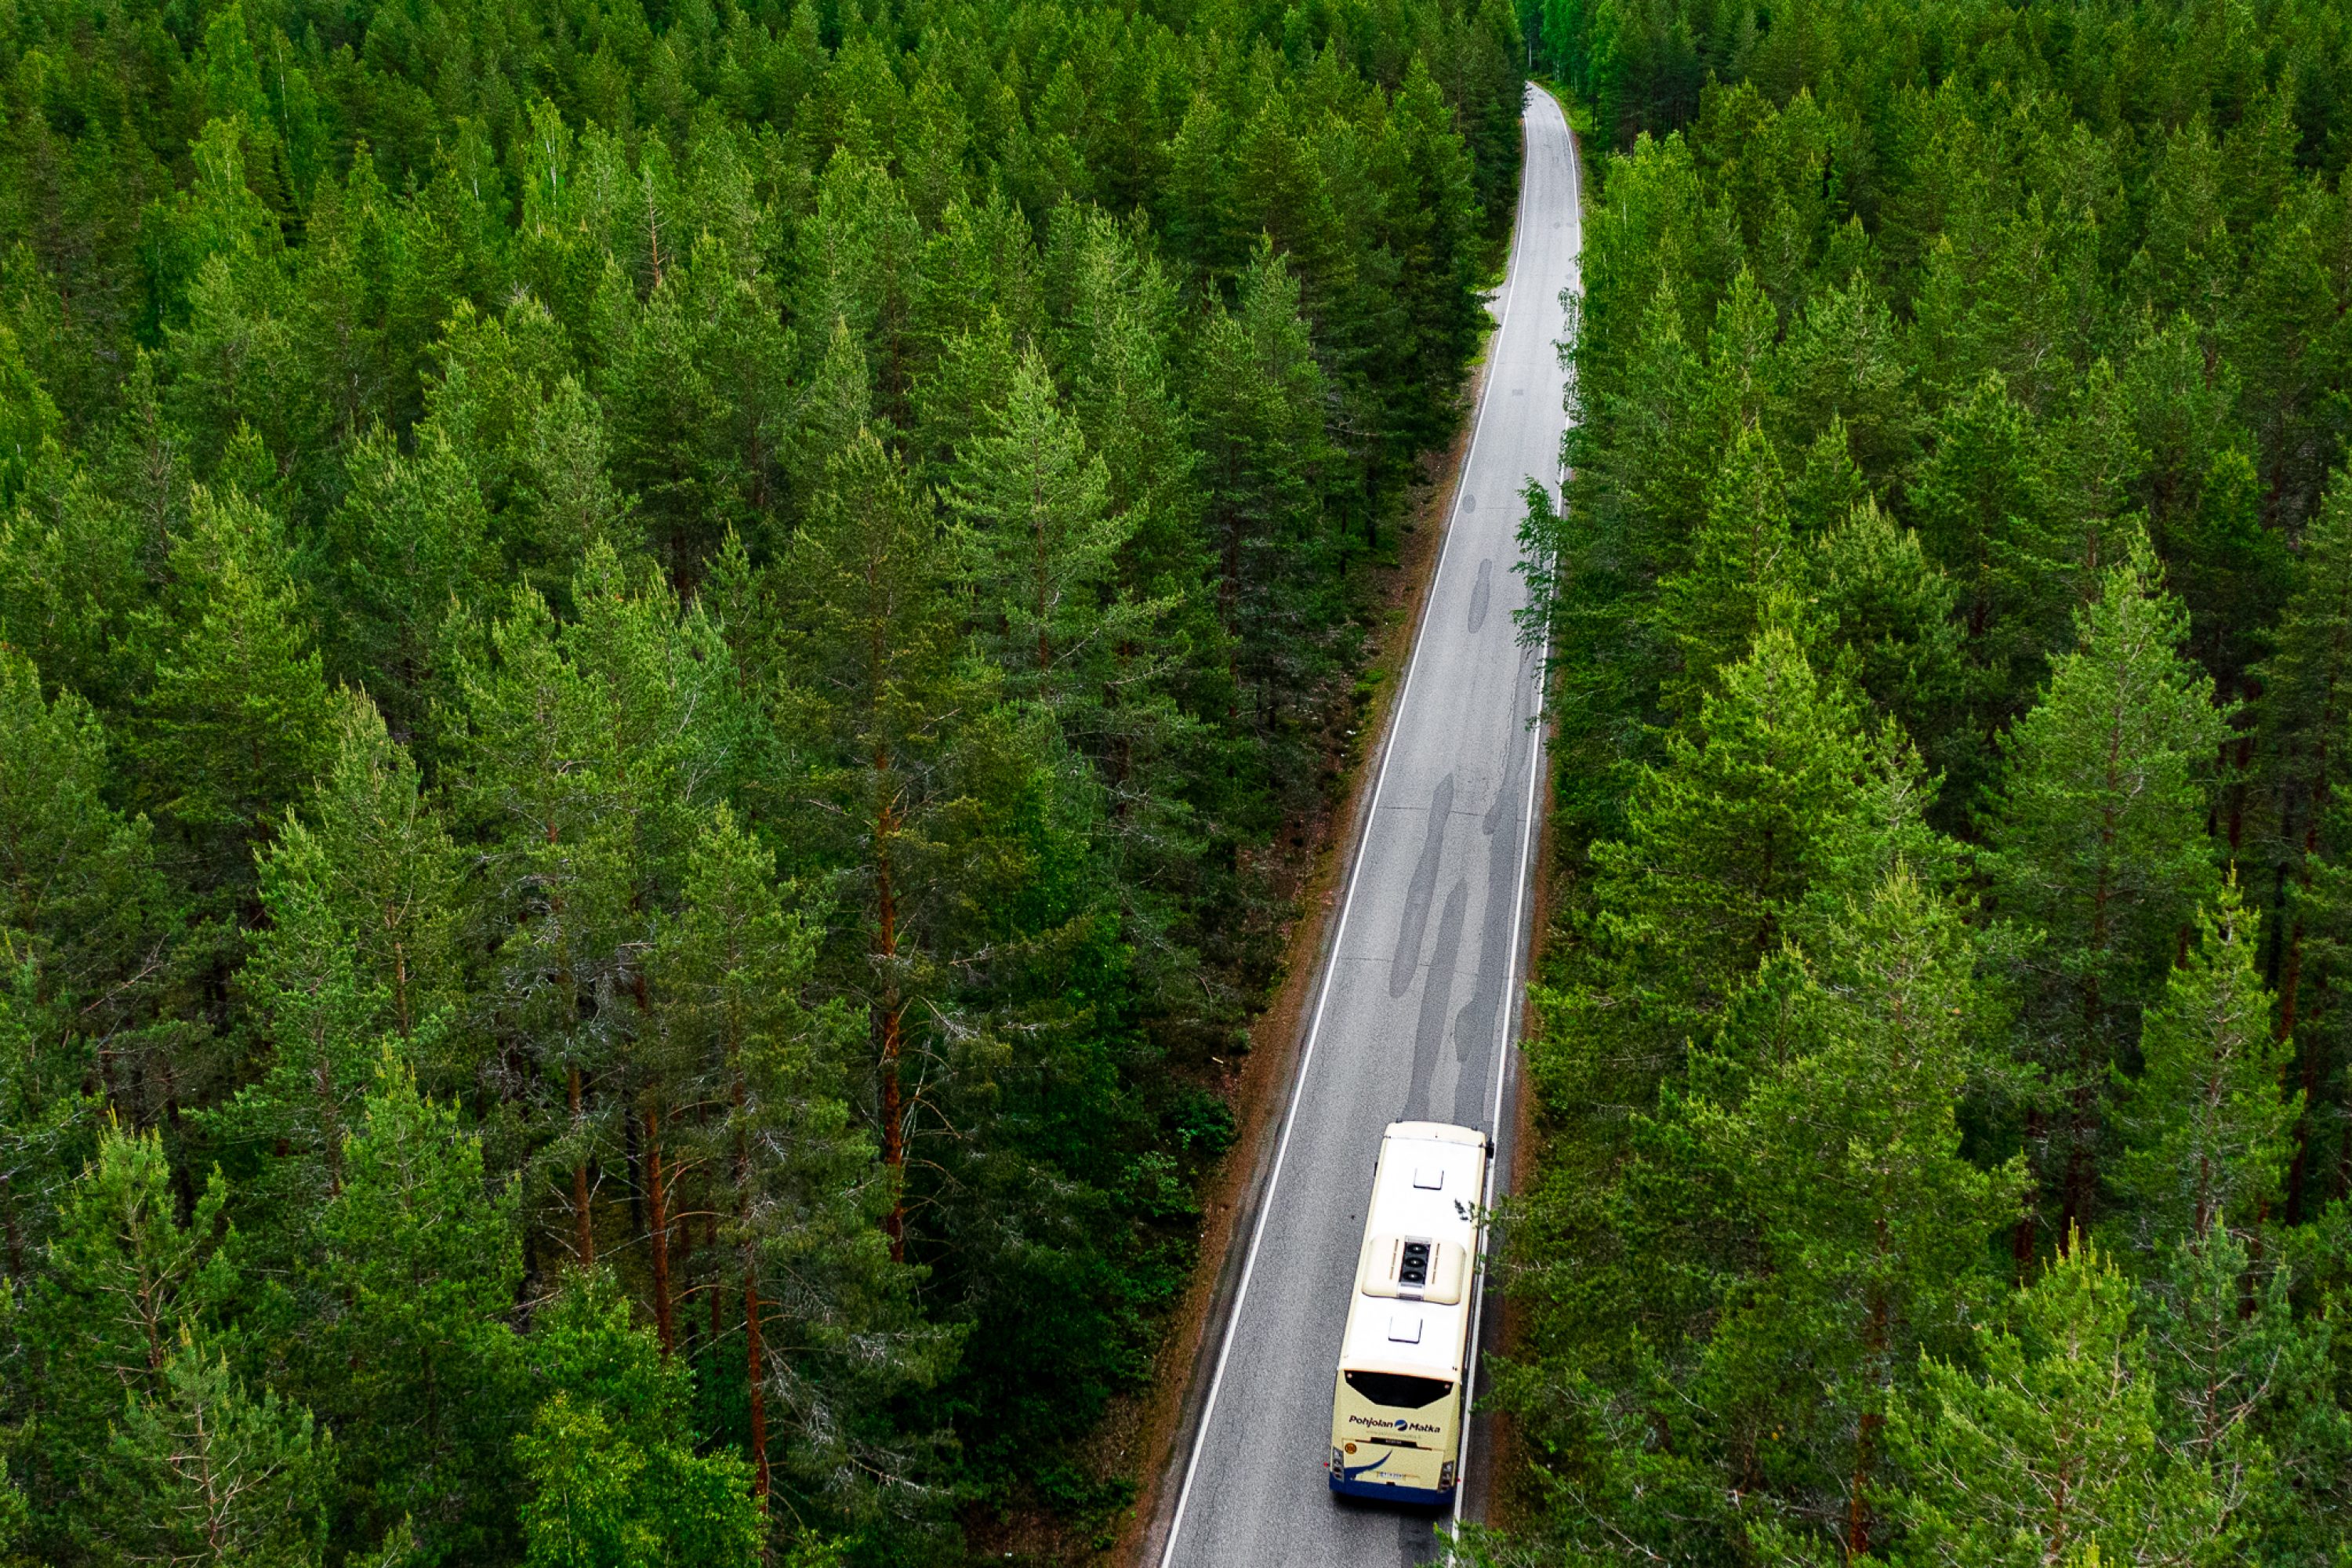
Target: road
{"x":1417,"y":1007}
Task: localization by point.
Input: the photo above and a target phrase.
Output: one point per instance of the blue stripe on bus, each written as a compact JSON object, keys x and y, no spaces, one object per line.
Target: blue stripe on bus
{"x":1381,"y":1491}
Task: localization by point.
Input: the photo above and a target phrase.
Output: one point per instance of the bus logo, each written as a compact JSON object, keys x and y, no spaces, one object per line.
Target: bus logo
{"x":1401,"y":1423}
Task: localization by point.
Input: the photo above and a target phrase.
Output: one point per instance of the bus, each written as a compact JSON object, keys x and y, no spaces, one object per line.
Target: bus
{"x":1397,"y":1407}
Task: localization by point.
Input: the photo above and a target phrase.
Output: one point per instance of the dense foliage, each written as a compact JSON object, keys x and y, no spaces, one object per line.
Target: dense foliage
{"x":1943,"y":1051}
{"x":650,"y":657}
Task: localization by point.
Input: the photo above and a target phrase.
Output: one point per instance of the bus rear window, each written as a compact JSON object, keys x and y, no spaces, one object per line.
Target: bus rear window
{"x":1397,"y":1391}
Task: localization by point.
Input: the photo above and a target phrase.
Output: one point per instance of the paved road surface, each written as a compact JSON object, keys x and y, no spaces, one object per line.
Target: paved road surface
{"x":1417,"y":1005}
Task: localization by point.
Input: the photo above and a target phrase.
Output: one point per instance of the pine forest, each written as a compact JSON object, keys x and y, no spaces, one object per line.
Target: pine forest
{"x":658,"y":666}
{"x":1944,"y":1024}
{"x":666,"y":668}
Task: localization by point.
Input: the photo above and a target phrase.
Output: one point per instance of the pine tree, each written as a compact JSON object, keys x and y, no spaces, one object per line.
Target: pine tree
{"x":1118,"y":330}
{"x":2208,"y":1138}
{"x":568,"y":502}
{"x":2278,"y":338}
{"x":2206,"y":1131}
{"x":1433,"y":202}
{"x":1846,"y":1148}
{"x":1117,"y":334}
{"x":1742,"y":357}
{"x":1041,"y":560}
{"x":856,"y":262}
{"x":1980,"y":503}
{"x":1830,"y":487}
{"x":321,"y":1049}
{"x":412,"y":1361}
{"x":70,"y":577}
{"x":979,"y":261}
{"x":127,"y":1277}
{"x":1198,"y":204}
{"x":873,"y":657}
{"x":1742,"y":561}
{"x":2051,"y":1454}
{"x":1887,"y":616}
{"x":670,"y":417}
{"x":796,"y":1187}
{"x":1649,"y":443}
{"x":210,"y":1472}
{"x":2230,"y":569}
{"x":2186,"y":263}
{"x":386,"y":870}
{"x":87,"y":922}
{"x":1257,"y":395}
{"x":1842,"y":373}
{"x":511,"y":405}
{"x":956,"y":400}
{"x":2097,"y":845}
{"x":27,"y":418}
{"x":837,"y":403}
{"x":593,"y":748}
{"x":2305,"y":709}
{"x":44,"y":1119}
{"x":124,"y":1287}
{"x":237,"y":362}
{"x":2245,"y":1393}
{"x":411,"y":547}
{"x":613,"y":1478}
{"x":2181,"y":402}
{"x":2092,"y":463}
{"x":1723,"y":839}
{"x":235,"y":725}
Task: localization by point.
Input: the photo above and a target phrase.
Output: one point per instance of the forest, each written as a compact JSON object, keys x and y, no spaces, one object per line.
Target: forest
{"x":1942,"y":1046}
{"x":657,"y":662}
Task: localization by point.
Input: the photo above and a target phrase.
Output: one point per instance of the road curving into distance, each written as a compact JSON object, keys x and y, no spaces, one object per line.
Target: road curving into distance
{"x":1416,"y":1011}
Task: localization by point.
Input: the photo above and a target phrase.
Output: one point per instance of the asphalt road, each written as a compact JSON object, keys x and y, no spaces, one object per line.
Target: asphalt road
{"x":1417,"y":1006}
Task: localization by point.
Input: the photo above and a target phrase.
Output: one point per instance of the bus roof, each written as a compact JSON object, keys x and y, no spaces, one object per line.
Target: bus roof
{"x":1429,"y":1182}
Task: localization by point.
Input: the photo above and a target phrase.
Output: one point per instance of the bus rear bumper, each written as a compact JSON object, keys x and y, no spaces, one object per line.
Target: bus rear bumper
{"x":1389,"y":1491}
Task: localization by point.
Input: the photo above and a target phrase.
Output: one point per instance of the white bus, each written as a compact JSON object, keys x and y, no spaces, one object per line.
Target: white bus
{"x":1396,"y":1411}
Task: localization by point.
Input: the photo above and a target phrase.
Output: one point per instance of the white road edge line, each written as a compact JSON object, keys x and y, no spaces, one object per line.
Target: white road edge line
{"x":1510,"y":984}
{"x":1340,"y":936}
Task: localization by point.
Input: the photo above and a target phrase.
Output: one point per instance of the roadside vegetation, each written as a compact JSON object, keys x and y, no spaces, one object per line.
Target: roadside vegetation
{"x":653,"y":659}
{"x":1943,"y":1048}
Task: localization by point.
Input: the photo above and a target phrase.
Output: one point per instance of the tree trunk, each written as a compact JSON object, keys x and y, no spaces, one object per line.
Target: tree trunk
{"x":2290,"y":991}
{"x":681,"y":1259}
{"x":2308,"y":1050}
{"x":2344,"y":1165}
{"x":894,"y":1141}
{"x":2237,"y":775}
{"x":2020,"y":1240}
{"x":658,"y":1201}
{"x":1043,"y":591}
{"x":636,"y":1157}
{"x":755,"y":1383}
{"x":717,"y":1292}
{"x":400,"y":988}
{"x":1865,"y":1437}
{"x":331,"y":1120}
{"x":16,"y":1231}
{"x":889,"y":1009}
{"x":583,"y":1227}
